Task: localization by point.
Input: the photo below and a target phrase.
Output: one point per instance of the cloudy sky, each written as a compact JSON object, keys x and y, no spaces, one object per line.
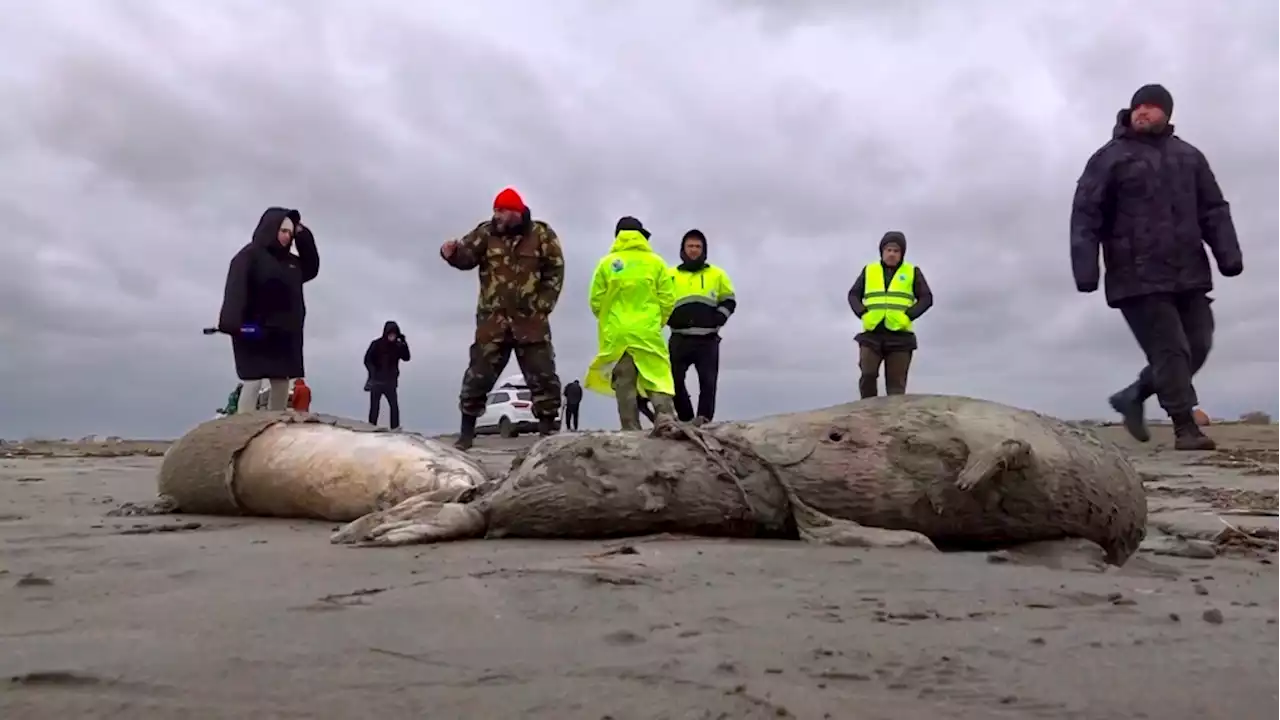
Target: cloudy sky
{"x":141,"y":140}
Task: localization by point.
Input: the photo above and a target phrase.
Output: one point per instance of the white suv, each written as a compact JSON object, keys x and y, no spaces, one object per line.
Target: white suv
{"x":508,"y":411}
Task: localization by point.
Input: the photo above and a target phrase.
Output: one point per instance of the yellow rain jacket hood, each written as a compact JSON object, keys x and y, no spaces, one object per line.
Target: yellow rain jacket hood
{"x":632,"y":295}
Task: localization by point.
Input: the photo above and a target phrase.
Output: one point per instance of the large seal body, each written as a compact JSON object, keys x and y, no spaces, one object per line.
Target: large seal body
{"x":911,"y":469}
{"x":299,"y":465}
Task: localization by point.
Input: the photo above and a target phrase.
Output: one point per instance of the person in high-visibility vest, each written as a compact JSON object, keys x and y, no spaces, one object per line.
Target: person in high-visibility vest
{"x":888,"y":296}
{"x":705,"y":301}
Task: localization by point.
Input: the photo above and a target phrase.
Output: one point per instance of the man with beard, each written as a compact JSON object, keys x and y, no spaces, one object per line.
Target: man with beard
{"x":521,"y":268}
{"x":704,"y":303}
{"x":1149,"y":201}
{"x":888,"y":296}
{"x":382,"y":362}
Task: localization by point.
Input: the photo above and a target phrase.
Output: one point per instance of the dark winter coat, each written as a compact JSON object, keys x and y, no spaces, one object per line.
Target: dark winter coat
{"x":264,"y":288}
{"x":1150,"y":202}
{"x":382,"y":359}
{"x":573,"y":393}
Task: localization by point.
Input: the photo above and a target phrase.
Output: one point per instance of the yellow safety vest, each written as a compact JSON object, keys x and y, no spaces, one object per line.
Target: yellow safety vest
{"x":888,"y":304}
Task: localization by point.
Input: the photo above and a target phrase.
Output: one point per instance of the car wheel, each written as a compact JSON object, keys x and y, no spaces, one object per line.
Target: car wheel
{"x":505,"y":428}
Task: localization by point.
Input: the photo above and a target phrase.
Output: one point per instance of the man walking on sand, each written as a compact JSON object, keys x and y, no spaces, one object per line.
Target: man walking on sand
{"x":521,"y":270}
{"x":888,"y":296}
{"x":1149,"y":201}
{"x":632,"y":295}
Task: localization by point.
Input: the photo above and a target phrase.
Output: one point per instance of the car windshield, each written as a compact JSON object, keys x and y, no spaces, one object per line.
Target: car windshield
{"x":524,"y":395}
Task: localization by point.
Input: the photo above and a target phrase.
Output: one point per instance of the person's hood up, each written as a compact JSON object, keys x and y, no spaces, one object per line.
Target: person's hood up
{"x":390,"y":326}
{"x":630,"y":240}
{"x":264,"y":236}
{"x":895,"y":237}
{"x":1122,"y":128}
{"x":688,"y":265}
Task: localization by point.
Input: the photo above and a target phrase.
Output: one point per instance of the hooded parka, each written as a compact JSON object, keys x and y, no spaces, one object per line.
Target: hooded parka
{"x":264,"y":289}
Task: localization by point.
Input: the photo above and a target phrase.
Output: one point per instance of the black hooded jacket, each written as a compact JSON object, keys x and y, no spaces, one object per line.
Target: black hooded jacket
{"x":264,"y":288}
{"x":1150,"y":203}
{"x":690,"y":315}
{"x":383,"y":357}
{"x":573,"y":393}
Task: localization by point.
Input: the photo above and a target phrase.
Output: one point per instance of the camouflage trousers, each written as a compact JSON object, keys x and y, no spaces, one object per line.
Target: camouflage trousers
{"x":537,"y":361}
{"x":624,"y":381}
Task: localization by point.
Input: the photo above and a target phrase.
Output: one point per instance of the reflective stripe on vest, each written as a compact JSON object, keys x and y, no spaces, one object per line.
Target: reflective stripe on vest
{"x":701,"y":287}
{"x":888,"y":305}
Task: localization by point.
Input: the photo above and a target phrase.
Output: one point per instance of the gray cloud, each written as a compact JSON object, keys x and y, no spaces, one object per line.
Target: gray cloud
{"x":142,"y":140}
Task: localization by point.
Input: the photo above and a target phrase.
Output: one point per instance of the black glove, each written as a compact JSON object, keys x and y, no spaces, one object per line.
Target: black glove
{"x":368,"y":386}
{"x":1087,"y":287}
{"x":1231,"y":270}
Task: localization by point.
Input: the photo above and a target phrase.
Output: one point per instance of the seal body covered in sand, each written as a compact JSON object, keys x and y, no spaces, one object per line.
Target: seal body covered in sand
{"x":928,"y":470}
{"x":299,"y":465}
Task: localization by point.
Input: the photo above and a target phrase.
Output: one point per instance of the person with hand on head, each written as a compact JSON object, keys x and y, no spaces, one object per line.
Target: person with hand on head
{"x":632,"y":295}
{"x":263,"y":308}
{"x":382,"y":361}
{"x":1149,"y":202}
{"x":888,"y":296}
{"x":704,"y":303}
{"x":521,"y":268}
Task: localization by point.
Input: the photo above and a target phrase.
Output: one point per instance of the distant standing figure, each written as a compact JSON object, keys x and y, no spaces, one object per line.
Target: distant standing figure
{"x":263,"y":308}
{"x":705,"y":301}
{"x":889,"y":296}
{"x":300,"y":399}
{"x":521,"y":269}
{"x":382,"y":361}
{"x":1149,"y":201}
{"x":572,"y":402}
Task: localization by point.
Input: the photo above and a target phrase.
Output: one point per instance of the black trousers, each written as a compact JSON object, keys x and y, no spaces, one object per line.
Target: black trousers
{"x":571,"y":416}
{"x":702,"y":353}
{"x":1175,"y":331}
{"x":376,"y":393}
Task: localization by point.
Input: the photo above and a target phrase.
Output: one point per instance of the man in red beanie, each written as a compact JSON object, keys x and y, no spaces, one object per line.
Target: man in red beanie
{"x":521,"y":274}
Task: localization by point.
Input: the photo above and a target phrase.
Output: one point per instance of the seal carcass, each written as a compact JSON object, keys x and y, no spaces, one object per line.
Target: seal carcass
{"x":942,"y":471}
{"x":299,"y":465}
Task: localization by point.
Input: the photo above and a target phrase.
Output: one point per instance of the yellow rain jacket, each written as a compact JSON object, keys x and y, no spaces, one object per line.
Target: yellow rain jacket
{"x":632,"y":295}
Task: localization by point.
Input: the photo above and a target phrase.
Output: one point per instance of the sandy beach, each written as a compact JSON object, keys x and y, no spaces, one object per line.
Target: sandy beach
{"x":162,"y":617}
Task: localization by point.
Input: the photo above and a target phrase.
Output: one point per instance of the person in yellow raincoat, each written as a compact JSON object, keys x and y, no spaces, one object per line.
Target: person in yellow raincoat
{"x":632,"y":295}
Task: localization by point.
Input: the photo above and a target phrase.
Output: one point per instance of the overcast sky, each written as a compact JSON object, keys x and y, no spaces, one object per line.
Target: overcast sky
{"x":140,"y":141}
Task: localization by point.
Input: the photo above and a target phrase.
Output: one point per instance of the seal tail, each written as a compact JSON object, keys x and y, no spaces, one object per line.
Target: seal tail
{"x":417,"y":520}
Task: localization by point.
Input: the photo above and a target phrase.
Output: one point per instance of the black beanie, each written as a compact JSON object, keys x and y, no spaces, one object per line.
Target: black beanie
{"x":1155,"y":95}
{"x":897,"y":238}
{"x":627,"y":222}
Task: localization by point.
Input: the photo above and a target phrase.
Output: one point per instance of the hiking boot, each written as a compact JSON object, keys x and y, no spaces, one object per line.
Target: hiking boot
{"x":466,"y":434}
{"x":1130,"y":406}
{"x":547,"y":426}
{"x":1187,"y":434}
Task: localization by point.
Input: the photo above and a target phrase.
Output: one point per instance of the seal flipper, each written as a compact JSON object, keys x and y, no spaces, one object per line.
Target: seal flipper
{"x":416,"y":520}
{"x":989,"y":462}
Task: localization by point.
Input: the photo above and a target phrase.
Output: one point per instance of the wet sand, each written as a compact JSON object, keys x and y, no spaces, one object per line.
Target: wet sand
{"x":218,"y":617}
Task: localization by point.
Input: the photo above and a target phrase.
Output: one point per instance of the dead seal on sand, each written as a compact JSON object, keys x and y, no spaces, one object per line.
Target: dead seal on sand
{"x":300,"y":465}
{"x":929,"y":470}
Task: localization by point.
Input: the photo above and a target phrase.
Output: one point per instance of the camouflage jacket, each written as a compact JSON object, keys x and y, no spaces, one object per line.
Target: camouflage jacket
{"x":521,"y":277}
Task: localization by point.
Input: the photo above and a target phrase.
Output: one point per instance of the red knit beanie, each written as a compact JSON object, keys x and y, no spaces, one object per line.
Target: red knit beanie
{"x":509,"y":199}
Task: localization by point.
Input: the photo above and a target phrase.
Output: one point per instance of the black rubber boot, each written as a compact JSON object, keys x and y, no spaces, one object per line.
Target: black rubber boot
{"x":1187,"y":434}
{"x":547,"y":426}
{"x":1129,"y":404}
{"x":467,"y":433}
